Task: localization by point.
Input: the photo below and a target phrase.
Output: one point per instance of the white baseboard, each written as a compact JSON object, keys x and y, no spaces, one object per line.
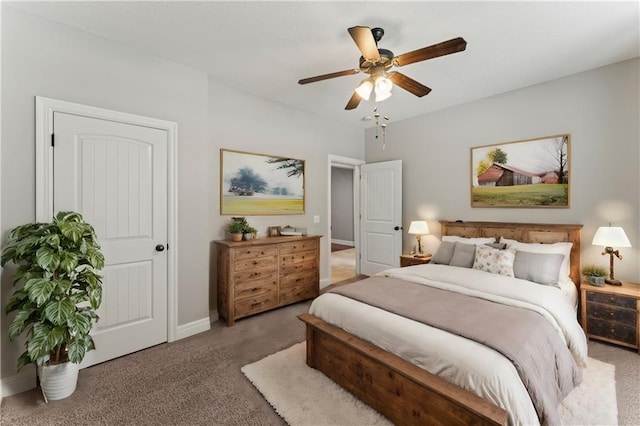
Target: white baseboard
{"x":325,"y":282}
{"x":23,"y":381}
{"x":193,"y":327}
{"x":343,"y":242}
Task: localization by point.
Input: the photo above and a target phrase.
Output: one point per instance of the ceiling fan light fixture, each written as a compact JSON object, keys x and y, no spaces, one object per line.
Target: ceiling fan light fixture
{"x":364,"y":89}
{"x":382,"y":84}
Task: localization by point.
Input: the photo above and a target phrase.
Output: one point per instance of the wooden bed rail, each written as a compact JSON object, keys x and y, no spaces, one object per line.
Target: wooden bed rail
{"x":403,"y":392}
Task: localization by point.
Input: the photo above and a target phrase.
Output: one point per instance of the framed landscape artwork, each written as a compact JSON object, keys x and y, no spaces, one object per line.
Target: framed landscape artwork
{"x":259,"y":184}
{"x":529,"y":173}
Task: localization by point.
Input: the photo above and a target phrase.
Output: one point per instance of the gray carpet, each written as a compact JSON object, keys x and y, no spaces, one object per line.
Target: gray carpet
{"x":197,"y":381}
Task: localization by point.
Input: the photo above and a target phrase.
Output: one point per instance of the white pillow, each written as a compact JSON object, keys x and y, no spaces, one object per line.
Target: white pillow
{"x":474,"y":241}
{"x":561,"y":248}
{"x":493,"y":260}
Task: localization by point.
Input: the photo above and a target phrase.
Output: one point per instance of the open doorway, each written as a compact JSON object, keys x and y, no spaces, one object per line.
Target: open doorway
{"x":343,"y":252}
{"x":343,"y":214}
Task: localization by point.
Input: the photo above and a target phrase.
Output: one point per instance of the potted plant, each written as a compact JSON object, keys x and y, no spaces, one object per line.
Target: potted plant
{"x":56,"y":292}
{"x":249,"y":232}
{"x":237,"y":228}
{"x":595,"y":274}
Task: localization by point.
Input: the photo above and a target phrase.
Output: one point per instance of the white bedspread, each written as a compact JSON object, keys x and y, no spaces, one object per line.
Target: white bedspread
{"x":461,"y":361}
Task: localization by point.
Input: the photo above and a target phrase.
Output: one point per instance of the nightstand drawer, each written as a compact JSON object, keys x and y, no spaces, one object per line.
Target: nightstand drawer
{"x":610,"y":299}
{"x":612,"y":330}
{"x":612,"y":313}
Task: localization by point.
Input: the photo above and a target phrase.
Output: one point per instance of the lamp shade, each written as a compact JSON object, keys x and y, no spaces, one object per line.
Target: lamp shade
{"x":418,"y":227}
{"x":611,"y":236}
{"x":364,"y":89}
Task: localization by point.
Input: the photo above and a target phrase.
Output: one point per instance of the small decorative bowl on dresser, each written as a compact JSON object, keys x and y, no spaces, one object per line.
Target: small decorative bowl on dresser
{"x":611,"y":313}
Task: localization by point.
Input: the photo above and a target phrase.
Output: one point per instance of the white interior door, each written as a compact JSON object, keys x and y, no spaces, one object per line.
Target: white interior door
{"x":381,"y":216}
{"x":115,"y":174}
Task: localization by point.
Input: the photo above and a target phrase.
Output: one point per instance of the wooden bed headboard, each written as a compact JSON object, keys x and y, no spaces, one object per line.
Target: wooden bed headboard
{"x":544,"y":233}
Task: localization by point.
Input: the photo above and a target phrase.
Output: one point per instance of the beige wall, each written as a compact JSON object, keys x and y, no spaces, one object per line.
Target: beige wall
{"x":598,"y":108}
{"x":42,"y":58}
{"x":247,"y":123}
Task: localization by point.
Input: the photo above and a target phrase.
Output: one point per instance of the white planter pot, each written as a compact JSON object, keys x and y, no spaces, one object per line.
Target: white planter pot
{"x":58,"y":381}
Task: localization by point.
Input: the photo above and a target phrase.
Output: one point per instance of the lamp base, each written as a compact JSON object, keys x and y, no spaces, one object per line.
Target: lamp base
{"x":613,"y":282}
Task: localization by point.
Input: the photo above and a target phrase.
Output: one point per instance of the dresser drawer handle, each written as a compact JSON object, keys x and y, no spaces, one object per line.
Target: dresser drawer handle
{"x":255,"y":262}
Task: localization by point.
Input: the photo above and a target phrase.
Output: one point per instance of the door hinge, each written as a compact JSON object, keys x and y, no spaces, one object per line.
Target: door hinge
{"x":53,"y":140}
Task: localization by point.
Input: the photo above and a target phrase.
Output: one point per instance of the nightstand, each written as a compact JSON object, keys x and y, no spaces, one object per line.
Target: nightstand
{"x":612,"y":313}
{"x":410,"y":260}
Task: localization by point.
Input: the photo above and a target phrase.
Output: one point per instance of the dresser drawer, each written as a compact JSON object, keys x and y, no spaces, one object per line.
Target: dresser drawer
{"x":296,"y":294}
{"x":258,"y":262}
{"x":612,"y":330}
{"x":612,"y":313}
{"x":298,"y":246}
{"x":255,"y":304}
{"x":252,"y":252}
{"x":292,"y":258}
{"x":292,"y":268}
{"x":251,"y":288}
{"x":612,"y":299}
{"x":255,"y":274}
{"x":303,"y":278}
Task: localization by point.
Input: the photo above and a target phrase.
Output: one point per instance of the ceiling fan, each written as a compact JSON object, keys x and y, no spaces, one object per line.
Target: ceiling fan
{"x":377,"y":62}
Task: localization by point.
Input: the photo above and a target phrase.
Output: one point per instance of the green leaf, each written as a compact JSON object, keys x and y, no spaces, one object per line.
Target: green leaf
{"x":37,"y":345}
{"x":24,"y":360}
{"x":58,"y":312}
{"x":68,"y":261}
{"x":47,"y":259}
{"x":8,"y":255}
{"x":95,"y":297}
{"x":77,"y":350}
{"x":19,"y":323}
{"x":55,"y":337}
{"x":79,"y":324}
{"x":72,"y":230}
{"x":40,"y":291}
{"x":18,"y":300}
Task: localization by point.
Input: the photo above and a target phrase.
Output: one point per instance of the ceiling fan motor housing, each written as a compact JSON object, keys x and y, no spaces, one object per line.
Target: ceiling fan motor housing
{"x":370,"y":65}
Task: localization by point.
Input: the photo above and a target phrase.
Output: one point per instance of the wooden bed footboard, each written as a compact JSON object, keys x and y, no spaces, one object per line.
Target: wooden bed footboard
{"x":403,"y":392}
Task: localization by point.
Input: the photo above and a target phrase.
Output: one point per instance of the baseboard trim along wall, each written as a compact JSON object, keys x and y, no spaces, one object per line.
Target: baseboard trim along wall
{"x":325,"y":282}
{"x":193,"y":327}
{"x":23,"y":381}
{"x":343,"y":242}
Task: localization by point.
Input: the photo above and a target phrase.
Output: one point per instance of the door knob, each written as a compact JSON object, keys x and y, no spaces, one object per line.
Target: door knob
{"x":159,"y":247}
{"x":397,"y":228}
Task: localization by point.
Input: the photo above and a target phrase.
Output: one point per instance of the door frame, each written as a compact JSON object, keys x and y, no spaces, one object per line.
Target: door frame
{"x":354,"y":164}
{"x":45,"y":107}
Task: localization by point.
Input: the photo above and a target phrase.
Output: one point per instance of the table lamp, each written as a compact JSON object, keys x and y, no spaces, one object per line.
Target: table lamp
{"x":609,"y":237}
{"x":419,"y":228}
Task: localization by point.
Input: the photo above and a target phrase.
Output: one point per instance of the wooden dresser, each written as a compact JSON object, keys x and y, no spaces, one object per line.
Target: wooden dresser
{"x":612,"y":313}
{"x":265,"y":273}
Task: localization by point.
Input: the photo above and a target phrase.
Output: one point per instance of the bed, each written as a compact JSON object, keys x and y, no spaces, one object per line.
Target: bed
{"x":386,"y":360}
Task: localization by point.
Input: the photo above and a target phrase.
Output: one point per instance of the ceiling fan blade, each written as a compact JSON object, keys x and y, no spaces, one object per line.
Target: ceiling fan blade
{"x":445,"y":48}
{"x":409,"y":84}
{"x":353,"y":102}
{"x":328,"y":76}
{"x":365,"y":42}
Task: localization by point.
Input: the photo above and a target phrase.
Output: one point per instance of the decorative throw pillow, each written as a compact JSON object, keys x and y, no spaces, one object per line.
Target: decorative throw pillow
{"x":561,"y":248}
{"x":541,"y":268}
{"x":444,"y":254}
{"x":463,"y":255}
{"x":493,"y":260}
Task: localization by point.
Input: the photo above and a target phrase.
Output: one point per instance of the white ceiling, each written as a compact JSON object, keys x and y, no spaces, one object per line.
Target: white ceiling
{"x":264,"y":48}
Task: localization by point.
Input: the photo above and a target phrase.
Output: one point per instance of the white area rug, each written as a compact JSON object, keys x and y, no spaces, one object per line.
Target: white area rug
{"x":304,"y":396}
